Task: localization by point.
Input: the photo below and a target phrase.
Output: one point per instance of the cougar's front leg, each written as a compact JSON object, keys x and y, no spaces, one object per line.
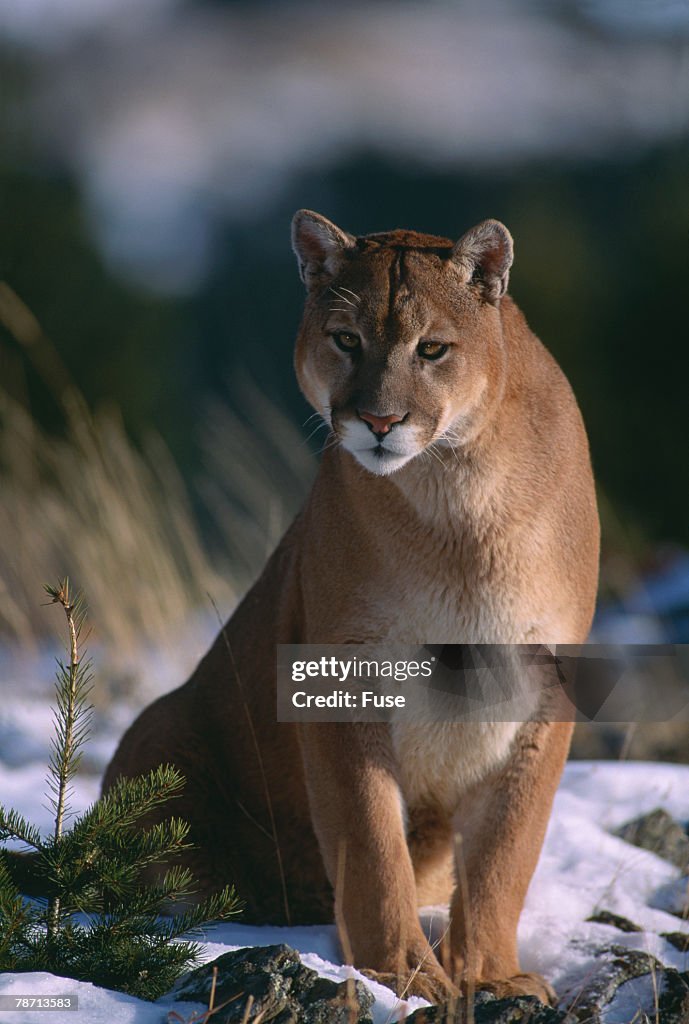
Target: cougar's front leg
{"x":502,"y":823}
{"x":357,"y":816}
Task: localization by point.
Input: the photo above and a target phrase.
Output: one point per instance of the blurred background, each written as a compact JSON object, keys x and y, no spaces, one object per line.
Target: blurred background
{"x":152,"y":437}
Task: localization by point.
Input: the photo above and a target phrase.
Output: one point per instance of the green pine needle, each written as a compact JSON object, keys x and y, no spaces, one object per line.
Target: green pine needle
{"x":14,"y":826}
{"x":94,"y":866}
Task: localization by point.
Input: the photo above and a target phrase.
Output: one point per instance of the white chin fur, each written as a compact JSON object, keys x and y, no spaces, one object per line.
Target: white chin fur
{"x":380,"y":464}
{"x":359,"y":442}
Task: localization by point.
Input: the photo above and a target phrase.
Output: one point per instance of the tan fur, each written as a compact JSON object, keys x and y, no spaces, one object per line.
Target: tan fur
{"x":471,"y":520}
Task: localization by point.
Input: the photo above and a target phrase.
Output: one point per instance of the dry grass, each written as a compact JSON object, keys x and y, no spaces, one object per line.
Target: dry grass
{"x":258,"y":470}
{"x":119,"y":520}
{"x":116,"y":519}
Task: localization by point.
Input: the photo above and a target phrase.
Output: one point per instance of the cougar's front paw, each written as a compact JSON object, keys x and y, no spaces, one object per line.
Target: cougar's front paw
{"x":520,"y":985}
{"x":426,"y":980}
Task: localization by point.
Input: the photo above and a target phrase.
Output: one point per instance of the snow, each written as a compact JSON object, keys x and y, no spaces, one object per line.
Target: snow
{"x":95,"y":1005}
{"x":583,"y":869}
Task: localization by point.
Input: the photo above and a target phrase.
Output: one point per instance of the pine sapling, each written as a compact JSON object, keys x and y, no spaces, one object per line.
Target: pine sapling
{"x":72,"y":716}
{"x":93,"y":918}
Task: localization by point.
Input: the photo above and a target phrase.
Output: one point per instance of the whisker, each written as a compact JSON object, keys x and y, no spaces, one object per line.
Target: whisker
{"x":343,"y":289}
{"x":342,"y":297}
{"x":432,"y":450}
{"x":450,"y":438}
{"x":453,"y":441}
{"x":319,"y":426}
{"x":332,"y":442}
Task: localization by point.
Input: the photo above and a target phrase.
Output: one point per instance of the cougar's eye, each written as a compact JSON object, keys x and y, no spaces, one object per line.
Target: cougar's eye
{"x":346,"y":340}
{"x":431,"y":349}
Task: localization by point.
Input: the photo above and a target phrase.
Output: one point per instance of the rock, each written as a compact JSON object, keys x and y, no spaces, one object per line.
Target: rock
{"x":680,"y":940}
{"x":264,"y":973}
{"x":330,"y":1003}
{"x":658,"y":832}
{"x":489,"y":1010}
{"x":282,"y":990}
{"x":673,"y":1004}
{"x":623,"y":924}
{"x":616,"y":967}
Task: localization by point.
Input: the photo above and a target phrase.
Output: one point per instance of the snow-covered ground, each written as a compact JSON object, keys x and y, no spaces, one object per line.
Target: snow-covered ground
{"x":583,"y":869}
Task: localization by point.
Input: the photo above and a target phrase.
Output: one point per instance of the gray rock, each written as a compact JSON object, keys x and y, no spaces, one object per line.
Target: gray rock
{"x":623,"y":924}
{"x":658,"y":832}
{"x":270,"y":983}
{"x":489,"y":1010}
{"x":329,"y":1003}
{"x":616,"y":967}
{"x":673,"y":1005}
{"x":680,"y":940}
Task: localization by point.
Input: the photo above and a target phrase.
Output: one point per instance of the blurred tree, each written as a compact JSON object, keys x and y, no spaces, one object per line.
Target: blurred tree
{"x":130,"y":347}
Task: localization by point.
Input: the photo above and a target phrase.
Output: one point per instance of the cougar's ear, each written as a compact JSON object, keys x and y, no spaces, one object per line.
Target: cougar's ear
{"x":485,"y":253}
{"x":319,"y":246}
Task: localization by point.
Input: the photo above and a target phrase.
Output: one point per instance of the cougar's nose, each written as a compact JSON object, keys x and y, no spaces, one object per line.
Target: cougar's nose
{"x":380,"y":425}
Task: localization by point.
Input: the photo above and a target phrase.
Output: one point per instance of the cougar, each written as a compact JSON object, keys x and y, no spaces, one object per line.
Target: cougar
{"x":454,"y":504}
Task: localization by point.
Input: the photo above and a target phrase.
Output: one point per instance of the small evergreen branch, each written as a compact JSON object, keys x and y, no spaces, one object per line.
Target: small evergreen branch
{"x":95,"y":866}
{"x":73,"y":712}
{"x":217,"y":907}
{"x":127,"y":851}
{"x":14,"y":826}
{"x":127,"y":802}
{"x":14,"y":917}
{"x":71,"y":722}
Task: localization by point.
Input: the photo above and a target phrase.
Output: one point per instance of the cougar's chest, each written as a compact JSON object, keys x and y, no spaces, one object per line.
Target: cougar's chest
{"x":455,"y":604}
{"x":424,"y":583}
{"x":438,"y":761}
{"x":446,"y":599}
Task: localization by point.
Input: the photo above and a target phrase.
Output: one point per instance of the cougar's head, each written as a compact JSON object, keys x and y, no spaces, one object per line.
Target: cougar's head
{"x":401,"y":344}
